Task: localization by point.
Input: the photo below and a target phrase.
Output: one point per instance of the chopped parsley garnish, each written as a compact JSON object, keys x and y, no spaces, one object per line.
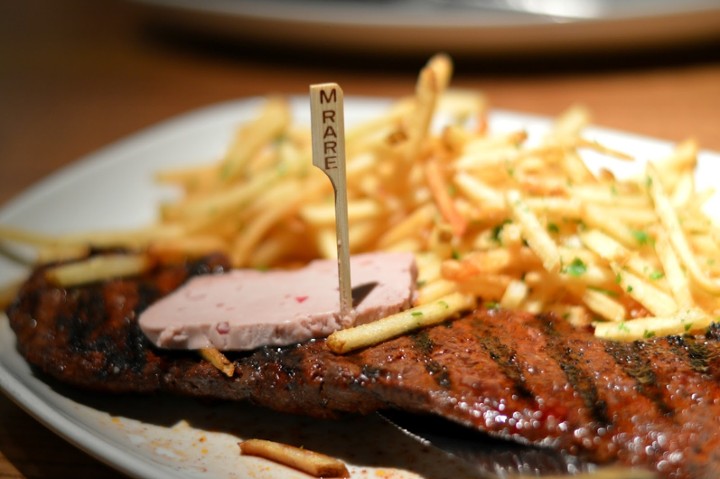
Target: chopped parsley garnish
{"x":495,"y":235}
{"x":642,"y":237}
{"x":607,"y":292}
{"x":657,"y":275}
{"x":576,"y":268}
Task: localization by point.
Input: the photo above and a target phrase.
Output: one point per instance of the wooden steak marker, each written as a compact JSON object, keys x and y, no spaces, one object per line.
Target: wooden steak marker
{"x":328,"y":146}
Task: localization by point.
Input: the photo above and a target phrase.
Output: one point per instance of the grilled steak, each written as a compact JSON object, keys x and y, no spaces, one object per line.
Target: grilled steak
{"x":654,"y":404}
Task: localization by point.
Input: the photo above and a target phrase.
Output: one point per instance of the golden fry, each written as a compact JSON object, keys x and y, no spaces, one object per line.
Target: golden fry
{"x":310,"y":462}
{"x":535,"y":234}
{"x":98,"y":268}
{"x":219,"y":360}
{"x":273,"y":120}
{"x":443,"y":200}
{"x":676,"y":235}
{"x":428,"y":314}
{"x":645,"y":328}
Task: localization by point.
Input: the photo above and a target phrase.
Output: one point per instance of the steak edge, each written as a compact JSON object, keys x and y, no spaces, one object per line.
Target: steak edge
{"x":653,"y":404}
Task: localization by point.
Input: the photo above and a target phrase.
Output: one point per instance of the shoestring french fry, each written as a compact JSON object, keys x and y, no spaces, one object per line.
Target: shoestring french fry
{"x":97,"y":268}
{"x":273,"y":121}
{"x":434,"y":312}
{"x":678,"y":239}
{"x":218,"y":360}
{"x":443,"y":199}
{"x":310,"y":462}
{"x":500,"y":215}
{"x":534,"y":233}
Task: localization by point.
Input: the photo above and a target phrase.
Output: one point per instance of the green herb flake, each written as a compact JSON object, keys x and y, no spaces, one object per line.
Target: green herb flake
{"x":642,"y":237}
{"x":647,"y":334}
{"x":492,"y":305}
{"x":444,"y":304}
{"x":655,"y":275}
{"x":553,"y":228}
{"x":629,"y":289}
{"x":618,"y":278}
{"x":604,"y":291}
{"x":497,"y":230}
{"x":576,"y":268}
{"x":416,"y":314}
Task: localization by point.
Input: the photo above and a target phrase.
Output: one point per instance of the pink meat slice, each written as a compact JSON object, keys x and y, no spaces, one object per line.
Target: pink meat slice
{"x":245,"y":309}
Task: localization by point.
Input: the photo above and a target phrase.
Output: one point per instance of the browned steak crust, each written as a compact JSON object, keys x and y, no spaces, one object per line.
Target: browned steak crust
{"x":653,"y":404}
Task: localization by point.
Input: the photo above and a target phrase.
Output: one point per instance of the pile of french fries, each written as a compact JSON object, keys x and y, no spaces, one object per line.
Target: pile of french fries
{"x":514,"y":224}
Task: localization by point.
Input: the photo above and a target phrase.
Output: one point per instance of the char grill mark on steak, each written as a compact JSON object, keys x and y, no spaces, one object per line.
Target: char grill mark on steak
{"x":697,"y":353}
{"x":506,"y":359}
{"x":653,"y":403}
{"x":439,"y":372}
{"x":630,"y":358}
{"x":693,"y":397}
{"x":571,"y":360}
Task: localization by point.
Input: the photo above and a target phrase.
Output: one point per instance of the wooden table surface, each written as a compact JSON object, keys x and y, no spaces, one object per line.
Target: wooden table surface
{"x":78,"y":74}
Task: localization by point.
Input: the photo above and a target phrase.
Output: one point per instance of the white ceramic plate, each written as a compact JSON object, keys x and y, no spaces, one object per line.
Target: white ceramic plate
{"x":388,"y":27}
{"x":176,"y":437}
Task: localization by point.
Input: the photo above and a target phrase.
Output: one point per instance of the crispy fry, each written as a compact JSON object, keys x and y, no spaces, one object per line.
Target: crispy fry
{"x":274,"y":118}
{"x":514,"y":295}
{"x":535,"y":234}
{"x":644,"y":328}
{"x":435,"y":312}
{"x":445,"y":204}
{"x":97,"y":268}
{"x":219,"y":360}
{"x":676,"y":235}
{"x":409,"y":226}
{"x":310,"y":462}
{"x":435,"y":290}
{"x":676,"y":278}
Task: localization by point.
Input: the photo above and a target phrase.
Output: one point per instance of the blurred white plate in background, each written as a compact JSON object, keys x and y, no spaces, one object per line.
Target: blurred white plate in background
{"x":387,"y":27}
